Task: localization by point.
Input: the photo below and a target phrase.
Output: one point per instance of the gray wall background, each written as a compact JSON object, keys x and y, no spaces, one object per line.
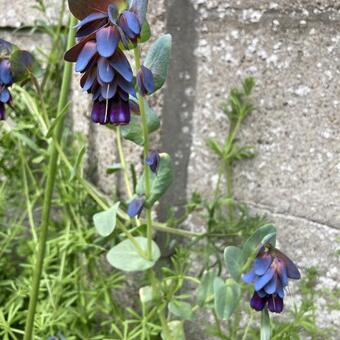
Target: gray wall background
{"x":292,"y":48}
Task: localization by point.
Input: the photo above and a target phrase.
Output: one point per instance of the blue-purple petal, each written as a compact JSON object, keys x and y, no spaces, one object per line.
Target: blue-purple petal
{"x":5,"y":96}
{"x":113,"y":13}
{"x":132,"y":22}
{"x":249,"y":277}
{"x":261,"y":281}
{"x":98,"y":114}
{"x":148,"y":80}
{"x":120,"y":63}
{"x":87,"y":53}
{"x":119,"y":112}
{"x":6,"y":76}
{"x":107,"y":41}
{"x":136,"y":206}
{"x":108,"y":90}
{"x":261,"y":264}
{"x":271,"y":286}
{"x":2,"y":111}
{"x":105,"y":71}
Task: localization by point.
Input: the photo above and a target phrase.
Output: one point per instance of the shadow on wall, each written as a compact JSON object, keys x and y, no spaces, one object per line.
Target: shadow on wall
{"x":176,"y":136}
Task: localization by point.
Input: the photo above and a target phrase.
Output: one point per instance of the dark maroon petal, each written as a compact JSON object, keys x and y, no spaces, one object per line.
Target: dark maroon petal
{"x":90,"y":28}
{"x":2,"y":111}
{"x":83,"y":8}
{"x":90,"y":18}
{"x":136,"y":206}
{"x":119,"y":112}
{"x":88,"y":78}
{"x":122,"y":94}
{"x":6,"y":76}
{"x":292,"y":270}
{"x":85,"y":56}
{"x":105,"y":71}
{"x":107,"y":41}
{"x":108,"y":90}
{"x":72,"y":54}
{"x":132,"y":22}
{"x":275,"y":304}
{"x":257,"y":302}
{"x":134,"y":107}
{"x":5,"y":96}
{"x":120,"y":63}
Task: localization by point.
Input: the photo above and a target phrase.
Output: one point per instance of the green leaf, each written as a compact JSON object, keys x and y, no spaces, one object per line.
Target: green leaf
{"x":159,"y":183}
{"x":265,"y":325}
{"x":215,"y":147}
{"x":158,"y":59}
{"x":146,"y":294}
{"x":77,"y":165}
{"x":227,"y":297}
{"x":176,"y":331}
{"x":206,"y":288}
{"x":145,"y":34}
{"x":105,"y":222}
{"x":181,"y":309}
{"x":234,"y":260}
{"x":260,"y":237}
{"x":56,"y":121}
{"x":124,"y":256}
{"x":134,"y":131}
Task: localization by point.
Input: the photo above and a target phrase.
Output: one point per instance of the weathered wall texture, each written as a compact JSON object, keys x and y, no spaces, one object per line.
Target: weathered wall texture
{"x":292,"y":48}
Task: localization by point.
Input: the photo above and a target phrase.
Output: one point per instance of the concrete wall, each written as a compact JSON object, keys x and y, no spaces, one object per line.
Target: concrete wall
{"x":292,"y":48}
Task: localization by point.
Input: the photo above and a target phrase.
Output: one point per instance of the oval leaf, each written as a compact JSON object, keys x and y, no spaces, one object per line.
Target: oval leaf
{"x":124,"y":256}
{"x":158,"y":59}
{"x":206,"y":288}
{"x":227,"y":297}
{"x":159,"y":183}
{"x":234,"y":260}
{"x":134,"y":131}
{"x":176,"y":329}
{"x":261,"y":235}
{"x":181,"y":309}
{"x":105,"y":222}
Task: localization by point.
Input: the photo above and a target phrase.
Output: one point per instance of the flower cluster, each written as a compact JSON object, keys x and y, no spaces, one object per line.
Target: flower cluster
{"x":269,"y":274}
{"x":14,"y":64}
{"x":6,"y":76}
{"x":107,"y":73}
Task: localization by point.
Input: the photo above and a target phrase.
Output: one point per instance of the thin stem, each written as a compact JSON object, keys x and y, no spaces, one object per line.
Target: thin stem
{"x":228,"y":174}
{"x":123,"y":162}
{"x":52,"y":167}
{"x":146,"y":151}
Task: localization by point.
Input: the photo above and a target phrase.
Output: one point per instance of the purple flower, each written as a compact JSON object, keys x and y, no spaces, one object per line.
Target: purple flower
{"x":269,"y":274}
{"x":153,"y":161}
{"x":107,"y":73}
{"x":145,"y":81}
{"x":10,"y":73}
{"x":136,"y":206}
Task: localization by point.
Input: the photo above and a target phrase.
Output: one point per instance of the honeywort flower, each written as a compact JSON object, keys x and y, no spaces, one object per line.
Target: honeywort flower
{"x":145,"y":81}
{"x":269,"y":274}
{"x":13,"y":64}
{"x":152,"y":160}
{"x":136,"y":206}
{"x":107,"y":73}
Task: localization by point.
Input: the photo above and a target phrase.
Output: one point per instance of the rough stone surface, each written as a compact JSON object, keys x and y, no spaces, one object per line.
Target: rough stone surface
{"x":292,"y":48}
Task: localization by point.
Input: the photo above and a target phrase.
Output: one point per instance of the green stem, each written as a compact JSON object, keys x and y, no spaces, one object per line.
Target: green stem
{"x":123,"y":162}
{"x":228,"y":173}
{"x":52,"y":167}
{"x":265,"y":325}
{"x":146,"y":151}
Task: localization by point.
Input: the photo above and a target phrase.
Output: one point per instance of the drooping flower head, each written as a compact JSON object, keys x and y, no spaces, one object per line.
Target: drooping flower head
{"x":269,"y":274}
{"x":105,"y":28}
{"x":136,"y":206}
{"x":152,"y":160}
{"x":13,"y":65}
